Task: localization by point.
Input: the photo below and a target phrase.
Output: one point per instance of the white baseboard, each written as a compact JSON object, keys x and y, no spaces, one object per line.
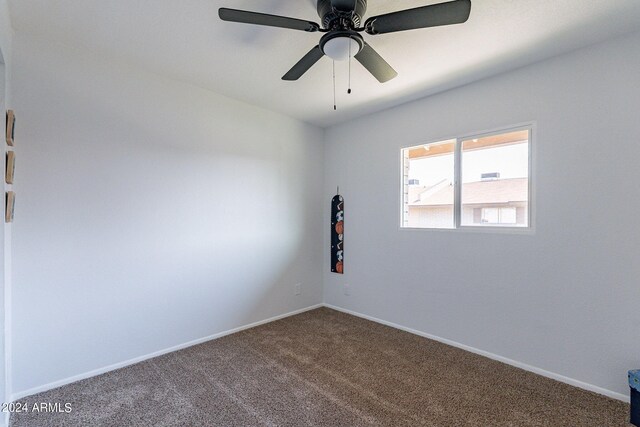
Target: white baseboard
{"x":526,"y":367}
{"x":93,"y":373}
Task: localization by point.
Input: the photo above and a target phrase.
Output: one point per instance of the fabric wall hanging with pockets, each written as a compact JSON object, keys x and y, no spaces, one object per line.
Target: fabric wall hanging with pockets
{"x":337,"y":234}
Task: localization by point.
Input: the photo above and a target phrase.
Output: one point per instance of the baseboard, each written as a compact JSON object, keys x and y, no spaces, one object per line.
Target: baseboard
{"x":93,"y":373}
{"x":526,"y":367}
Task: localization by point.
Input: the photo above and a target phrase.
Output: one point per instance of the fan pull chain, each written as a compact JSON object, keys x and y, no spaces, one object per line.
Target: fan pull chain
{"x":349,"y":89}
{"x":334,"y":86}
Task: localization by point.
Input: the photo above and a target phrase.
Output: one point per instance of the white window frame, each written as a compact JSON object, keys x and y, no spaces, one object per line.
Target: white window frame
{"x":457,"y":203}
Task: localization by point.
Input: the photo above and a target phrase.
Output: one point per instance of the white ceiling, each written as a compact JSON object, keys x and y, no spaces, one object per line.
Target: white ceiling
{"x":187,"y":41}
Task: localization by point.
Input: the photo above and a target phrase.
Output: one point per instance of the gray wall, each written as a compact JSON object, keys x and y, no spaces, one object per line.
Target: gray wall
{"x":563,"y":299}
{"x":150,"y":213}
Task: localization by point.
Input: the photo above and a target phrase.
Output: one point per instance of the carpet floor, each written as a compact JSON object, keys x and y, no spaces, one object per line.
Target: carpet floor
{"x":322,"y":368}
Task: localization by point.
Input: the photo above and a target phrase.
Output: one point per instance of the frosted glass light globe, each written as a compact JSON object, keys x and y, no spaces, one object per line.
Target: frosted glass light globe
{"x":337,"y":48}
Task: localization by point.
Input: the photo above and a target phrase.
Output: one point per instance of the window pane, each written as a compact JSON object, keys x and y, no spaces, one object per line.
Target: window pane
{"x":428,"y":172}
{"x":495,"y":180}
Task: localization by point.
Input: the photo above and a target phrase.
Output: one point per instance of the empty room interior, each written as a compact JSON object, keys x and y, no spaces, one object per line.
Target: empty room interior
{"x":320,"y":213}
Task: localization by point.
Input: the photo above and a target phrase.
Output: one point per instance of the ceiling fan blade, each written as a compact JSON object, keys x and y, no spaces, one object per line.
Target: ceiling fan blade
{"x":304,"y":64}
{"x":453,"y":12}
{"x":246,"y":17}
{"x":344,"y":5}
{"x":377,"y":66}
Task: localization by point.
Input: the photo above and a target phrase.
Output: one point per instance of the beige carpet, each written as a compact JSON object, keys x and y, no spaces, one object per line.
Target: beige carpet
{"x":323,"y":368}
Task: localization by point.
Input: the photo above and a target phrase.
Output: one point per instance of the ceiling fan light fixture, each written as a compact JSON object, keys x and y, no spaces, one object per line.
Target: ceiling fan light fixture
{"x":339,"y":48}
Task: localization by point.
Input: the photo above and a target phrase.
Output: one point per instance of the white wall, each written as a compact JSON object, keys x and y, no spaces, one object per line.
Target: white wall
{"x":6,"y":31}
{"x":6,"y":40}
{"x":564,"y":299}
{"x":3,"y":107}
{"x":150,"y":213}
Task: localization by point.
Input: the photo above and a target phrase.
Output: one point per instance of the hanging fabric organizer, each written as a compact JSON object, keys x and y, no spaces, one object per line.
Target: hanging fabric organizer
{"x":337,"y":234}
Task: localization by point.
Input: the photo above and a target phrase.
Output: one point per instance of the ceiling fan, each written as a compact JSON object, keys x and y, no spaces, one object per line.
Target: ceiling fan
{"x":341,"y":21}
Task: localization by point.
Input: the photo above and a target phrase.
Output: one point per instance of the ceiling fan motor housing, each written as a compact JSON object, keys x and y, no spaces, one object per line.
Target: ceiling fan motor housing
{"x":336,"y":19}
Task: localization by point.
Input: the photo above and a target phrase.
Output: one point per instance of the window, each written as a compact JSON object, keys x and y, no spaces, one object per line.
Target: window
{"x":478,"y":181}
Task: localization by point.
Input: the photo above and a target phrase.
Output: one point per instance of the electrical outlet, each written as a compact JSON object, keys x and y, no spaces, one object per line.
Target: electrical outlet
{"x":347,"y":289}
{"x":297,"y":289}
